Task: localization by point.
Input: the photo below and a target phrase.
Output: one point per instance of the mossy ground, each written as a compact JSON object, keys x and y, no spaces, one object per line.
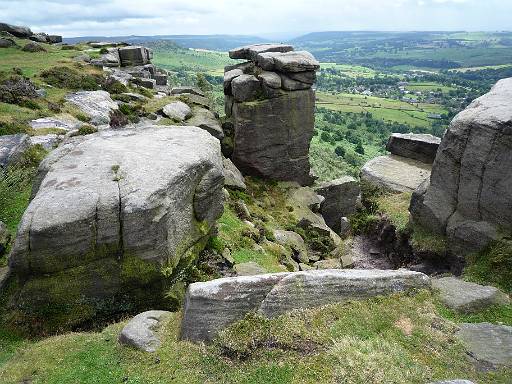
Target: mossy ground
{"x":398,"y":339}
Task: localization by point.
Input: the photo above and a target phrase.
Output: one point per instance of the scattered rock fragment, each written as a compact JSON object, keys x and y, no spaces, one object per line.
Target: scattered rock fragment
{"x":141,"y":332}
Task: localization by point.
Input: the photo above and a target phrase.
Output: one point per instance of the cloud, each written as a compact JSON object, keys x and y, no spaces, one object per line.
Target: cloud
{"x":150,"y":17}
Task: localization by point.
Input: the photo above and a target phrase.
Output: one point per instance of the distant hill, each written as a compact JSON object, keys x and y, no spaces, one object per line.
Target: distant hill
{"x":210,"y":42}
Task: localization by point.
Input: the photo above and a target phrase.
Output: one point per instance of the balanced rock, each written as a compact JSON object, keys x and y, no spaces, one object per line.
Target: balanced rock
{"x":470,"y":191}
{"x":395,"y":173}
{"x":340,"y":200}
{"x":251,"y":52}
{"x":422,"y":147}
{"x":96,"y":104}
{"x":212,"y":306}
{"x":466,"y":297}
{"x":110,"y":220}
{"x":12,"y":148}
{"x":142,"y":331}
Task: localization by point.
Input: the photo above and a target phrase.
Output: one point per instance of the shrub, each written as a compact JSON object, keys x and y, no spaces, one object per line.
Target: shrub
{"x":340,"y":151}
{"x":69,"y":78}
{"x":87,"y":129}
{"x":118,"y":119}
{"x":103,"y":51}
{"x":16,"y":89}
{"x":114,"y":86}
{"x":8,"y":128}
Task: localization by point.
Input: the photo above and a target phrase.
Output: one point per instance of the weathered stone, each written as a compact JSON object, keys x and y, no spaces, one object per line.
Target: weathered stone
{"x":272,"y":136}
{"x":108,"y":215}
{"x":12,"y":148}
{"x":211,"y":306}
{"x":147,"y":83}
{"x":250,"y":52}
{"x":308,"y":77}
{"x":341,"y":196}
{"x":54,"y":39}
{"x":134,"y":55}
{"x":288,"y":84}
{"x":295,"y":242}
{"x":296,"y":61}
{"x":141,"y":331}
{"x":39,"y":37}
{"x":186,"y":89}
{"x":228,"y":78}
{"x":15,"y":30}
{"x":233,"y":178}
{"x":345,"y":227}
{"x":328,"y":264}
{"x":395,"y":173}
{"x":247,"y":68}
{"x":160,"y":78}
{"x":48,"y":142}
{"x":96,"y":104}
{"x":466,"y":297}
{"x":177,"y":111}
{"x":205,"y":119}
{"x":65,"y":122}
{"x":7,"y":43}
{"x":245,"y":88}
{"x":471,"y":184}
{"x":109,"y":59}
{"x":489,"y":344}
{"x":422,"y":147}
{"x":192,"y":98}
{"x":305,"y":267}
{"x":33,"y":47}
{"x":248,"y":269}
{"x":270,"y":79}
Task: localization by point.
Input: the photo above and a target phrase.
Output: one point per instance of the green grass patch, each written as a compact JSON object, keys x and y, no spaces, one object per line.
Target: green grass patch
{"x":498,"y":314}
{"x":424,"y":241}
{"x":398,"y":339}
{"x":396,"y":208}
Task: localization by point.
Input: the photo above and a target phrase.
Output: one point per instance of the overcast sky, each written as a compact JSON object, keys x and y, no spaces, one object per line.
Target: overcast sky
{"x":255,"y":17}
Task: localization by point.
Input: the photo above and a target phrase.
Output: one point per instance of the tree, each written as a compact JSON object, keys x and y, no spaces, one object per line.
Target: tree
{"x":325,"y":137}
{"x":360,"y":148}
{"x":340,"y":151}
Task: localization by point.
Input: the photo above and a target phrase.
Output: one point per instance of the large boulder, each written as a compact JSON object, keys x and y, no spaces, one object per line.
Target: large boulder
{"x":251,"y":52}
{"x":340,"y":200}
{"x":469,"y":197}
{"x":7,"y":43}
{"x":12,"y":148}
{"x":134,"y":55}
{"x":111,"y":223}
{"x":395,"y":173}
{"x":272,"y":136}
{"x":15,"y":30}
{"x":97,"y":105}
{"x":141,"y":332}
{"x":295,"y":61}
{"x":212,"y":306}
{"x":422,"y":147}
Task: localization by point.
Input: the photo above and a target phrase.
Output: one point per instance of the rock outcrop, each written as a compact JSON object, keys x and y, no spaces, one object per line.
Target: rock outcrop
{"x":469,"y":197}
{"x":341,"y":197}
{"x":97,"y":105}
{"x":111,"y":223}
{"x":416,"y":146}
{"x":141,"y":332}
{"x":15,"y":30}
{"x":271,"y":104}
{"x":12,"y":148}
{"x":212,"y":306}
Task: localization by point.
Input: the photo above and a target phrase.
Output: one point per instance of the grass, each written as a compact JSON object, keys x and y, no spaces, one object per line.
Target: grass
{"x":499,"y":314}
{"x":395,"y":207}
{"x":427,"y":87}
{"x":354,"y":71}
{"x":397,"y":339}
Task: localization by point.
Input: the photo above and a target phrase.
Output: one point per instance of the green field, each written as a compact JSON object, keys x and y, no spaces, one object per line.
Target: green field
{"x":427,"y":87}
{"x":209,"y":62}
{"x":350,"y":70}
{"x":386,"y":109}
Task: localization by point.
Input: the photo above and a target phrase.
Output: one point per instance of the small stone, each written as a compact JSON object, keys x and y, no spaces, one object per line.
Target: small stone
{"x":177,"y":111}
{"x":141,"y":331}
{"x":248,"y":269}
{"x":233,"y":178}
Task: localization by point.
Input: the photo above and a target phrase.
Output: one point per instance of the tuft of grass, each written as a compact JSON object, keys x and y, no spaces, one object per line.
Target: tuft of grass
{"x":424,"y":241}
{"x":498,"y":314}
{"x":492,"y":266}
{"x":396,"y":208}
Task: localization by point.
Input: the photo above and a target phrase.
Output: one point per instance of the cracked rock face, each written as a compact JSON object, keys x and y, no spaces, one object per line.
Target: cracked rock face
{"x":470,"y":193}
{"x":214,"y":305}
{"x":113,"y":209}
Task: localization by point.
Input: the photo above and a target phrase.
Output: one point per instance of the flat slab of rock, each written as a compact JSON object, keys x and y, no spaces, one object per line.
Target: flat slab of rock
{"x":186,"y":89}
{"x":395,"y":173}
{"x":12,"y":148}
{"x":96,"y":104}
{"x":250,"y":52}
{"x":466,"y":297}
{"x":141,"y":332}
{"x":248,"y":269}
{"x":489,"y":344}
{"x":422,"y":147}
{"x":64,"y":123}
{"x":48,"y":142}
{"x":295,"y":61}
{"x":212,"y":306}
{"x":113,"y":208}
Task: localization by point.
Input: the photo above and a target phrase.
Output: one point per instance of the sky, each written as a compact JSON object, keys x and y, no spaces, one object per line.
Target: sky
{"x":280,"y":18}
